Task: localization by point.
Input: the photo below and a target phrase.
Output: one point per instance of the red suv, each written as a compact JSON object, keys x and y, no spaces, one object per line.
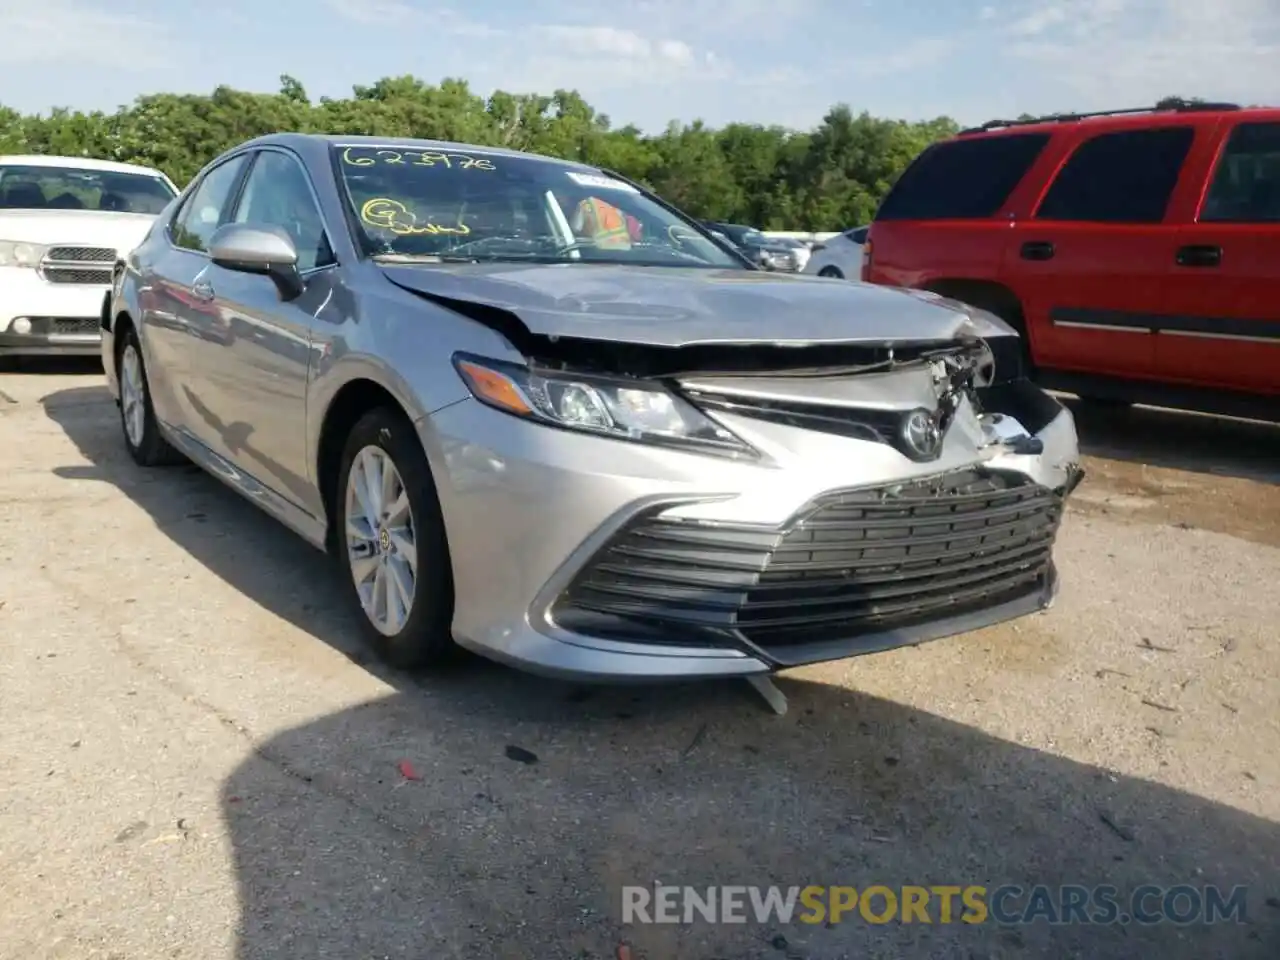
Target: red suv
{"x":1137,"y":251}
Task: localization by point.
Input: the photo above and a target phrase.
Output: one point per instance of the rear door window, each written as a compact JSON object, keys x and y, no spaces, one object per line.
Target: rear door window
{"x":1246,"y":183}
{"x":1122,"y":177}
{"x":963,"y":179}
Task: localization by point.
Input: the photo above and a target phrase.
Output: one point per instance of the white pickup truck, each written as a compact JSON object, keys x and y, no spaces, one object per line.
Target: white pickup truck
{"x":63,"y":223}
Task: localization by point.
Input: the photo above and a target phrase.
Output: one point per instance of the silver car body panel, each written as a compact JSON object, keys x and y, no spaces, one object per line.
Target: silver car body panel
{"x":675,"y":307}
{"x":242,"y":383}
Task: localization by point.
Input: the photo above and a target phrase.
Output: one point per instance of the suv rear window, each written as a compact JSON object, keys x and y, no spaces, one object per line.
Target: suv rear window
{"x":1246,"y":184}
{"x":962,"y":179}
{"x":1123,"y":177}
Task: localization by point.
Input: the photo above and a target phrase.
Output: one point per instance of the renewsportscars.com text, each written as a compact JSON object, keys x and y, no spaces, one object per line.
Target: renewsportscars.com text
{"x":970,"y":904}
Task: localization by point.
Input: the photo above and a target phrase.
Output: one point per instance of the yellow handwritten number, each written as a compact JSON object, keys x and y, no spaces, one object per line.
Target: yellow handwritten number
{"x":424,"y":159}
{"x":356,"y":161}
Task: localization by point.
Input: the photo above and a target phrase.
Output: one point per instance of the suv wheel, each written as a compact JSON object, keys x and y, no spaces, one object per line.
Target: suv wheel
{"x":391,"y":540}
{"x":831,"y":272}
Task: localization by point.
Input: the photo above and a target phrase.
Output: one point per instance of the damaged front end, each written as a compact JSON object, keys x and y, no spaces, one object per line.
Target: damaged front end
{"x":845,"y":497}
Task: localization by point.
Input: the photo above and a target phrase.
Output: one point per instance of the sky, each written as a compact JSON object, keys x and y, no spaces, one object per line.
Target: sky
{"x":648,"y":62}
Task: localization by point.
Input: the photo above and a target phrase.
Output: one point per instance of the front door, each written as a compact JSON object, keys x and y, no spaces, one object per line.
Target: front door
{"x":1221,"y":323}
{"x":1093,"y":259}
{"x":257,"y":401}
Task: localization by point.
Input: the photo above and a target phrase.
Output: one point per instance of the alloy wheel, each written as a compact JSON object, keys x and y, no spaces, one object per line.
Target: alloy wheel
{"x":382,"y":547}
{"x":133,"y":396}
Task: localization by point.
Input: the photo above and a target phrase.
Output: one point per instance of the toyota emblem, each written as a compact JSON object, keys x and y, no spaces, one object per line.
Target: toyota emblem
{"x":921,"y":435}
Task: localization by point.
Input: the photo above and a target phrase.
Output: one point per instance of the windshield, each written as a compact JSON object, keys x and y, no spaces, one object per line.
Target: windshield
{"x":70,"y":188}
{"x":475,"y":205}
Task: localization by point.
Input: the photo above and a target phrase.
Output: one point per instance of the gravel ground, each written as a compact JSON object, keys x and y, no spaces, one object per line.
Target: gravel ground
{"x":199,"y":761}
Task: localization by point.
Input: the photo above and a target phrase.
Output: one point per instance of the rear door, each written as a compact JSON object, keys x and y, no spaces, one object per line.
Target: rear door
{"x":178,"y":313}
{"x":948,"y":215}
{"x":1221,"y":316}
{"x":1090,"y":263}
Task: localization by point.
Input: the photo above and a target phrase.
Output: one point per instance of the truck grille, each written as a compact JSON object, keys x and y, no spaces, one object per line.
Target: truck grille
{"x":81,"y":265}
{"x":82,"y":254}
{"x":853,"y":563}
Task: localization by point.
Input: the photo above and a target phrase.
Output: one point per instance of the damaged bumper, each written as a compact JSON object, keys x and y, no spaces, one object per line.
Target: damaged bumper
{"x":585,"y":557}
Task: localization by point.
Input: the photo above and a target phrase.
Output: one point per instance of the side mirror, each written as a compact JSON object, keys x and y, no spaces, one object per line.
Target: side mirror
{"x":261,"y":250}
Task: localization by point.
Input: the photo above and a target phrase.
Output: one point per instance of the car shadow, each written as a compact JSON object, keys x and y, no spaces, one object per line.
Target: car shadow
{"x":1221,"y":446}
{"x":525,"y":813}
{"x":489,"y":814}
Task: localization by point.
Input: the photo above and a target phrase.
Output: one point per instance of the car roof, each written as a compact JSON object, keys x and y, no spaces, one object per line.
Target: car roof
{"x":1123,"y":119}
{"x":306,"y":141}
{"x":79,"y":163}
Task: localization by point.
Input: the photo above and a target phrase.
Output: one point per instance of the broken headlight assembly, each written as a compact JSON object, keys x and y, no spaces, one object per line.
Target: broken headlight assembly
{"x":622,"y":409}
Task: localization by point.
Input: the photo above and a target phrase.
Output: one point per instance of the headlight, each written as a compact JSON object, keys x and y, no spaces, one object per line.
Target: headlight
{"x":15,"y":253}
{"x":622,"y":409}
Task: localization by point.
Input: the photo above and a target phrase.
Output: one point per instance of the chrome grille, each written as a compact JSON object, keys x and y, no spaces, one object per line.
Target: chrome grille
{"x":72,"y":326}
{"x":82,"y":254}
{"x":80,"y":265}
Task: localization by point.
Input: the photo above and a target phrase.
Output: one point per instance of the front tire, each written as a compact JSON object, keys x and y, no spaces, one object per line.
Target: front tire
{"x":832,"y":272}
{"x":142,"y":437}
{"x":392,"y":545}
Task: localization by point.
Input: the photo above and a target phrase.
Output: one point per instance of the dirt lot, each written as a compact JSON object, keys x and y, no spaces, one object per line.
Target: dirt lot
{"x":199,"y":762}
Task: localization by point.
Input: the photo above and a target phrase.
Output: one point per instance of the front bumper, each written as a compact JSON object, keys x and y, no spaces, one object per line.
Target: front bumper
{"x":60,"y":319}
{"x":595,"y":559}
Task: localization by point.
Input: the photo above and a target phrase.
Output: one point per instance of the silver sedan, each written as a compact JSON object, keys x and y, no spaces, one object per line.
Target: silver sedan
{"x":538,"y":413}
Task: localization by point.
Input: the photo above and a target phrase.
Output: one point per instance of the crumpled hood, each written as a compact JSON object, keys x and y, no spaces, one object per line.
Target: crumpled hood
{"x":84,"y":228}
{"x":678,"y":307}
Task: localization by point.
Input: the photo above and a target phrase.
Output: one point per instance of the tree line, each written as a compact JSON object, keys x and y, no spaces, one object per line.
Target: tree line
{"x":828,"y":178}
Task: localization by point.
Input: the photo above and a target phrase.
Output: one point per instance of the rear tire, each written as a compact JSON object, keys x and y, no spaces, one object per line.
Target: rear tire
{"x":391,"y":543}
{"x":142,"y":436}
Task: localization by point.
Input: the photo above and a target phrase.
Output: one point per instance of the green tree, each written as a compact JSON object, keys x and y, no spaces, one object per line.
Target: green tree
{"x":828,"y":178}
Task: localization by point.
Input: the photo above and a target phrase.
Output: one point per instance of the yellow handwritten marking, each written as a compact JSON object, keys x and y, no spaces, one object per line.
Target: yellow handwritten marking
{"x":395,"y":216}
{"x":431,"y":159}
{"x":418,"y":159}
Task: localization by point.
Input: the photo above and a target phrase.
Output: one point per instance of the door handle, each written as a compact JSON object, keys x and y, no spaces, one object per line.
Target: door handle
{"x":1199,"y":255}
{"x":1037,"y":250}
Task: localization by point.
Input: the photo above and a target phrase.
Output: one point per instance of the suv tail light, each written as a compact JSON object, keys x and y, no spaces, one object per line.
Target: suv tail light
{"x":866,"y":261}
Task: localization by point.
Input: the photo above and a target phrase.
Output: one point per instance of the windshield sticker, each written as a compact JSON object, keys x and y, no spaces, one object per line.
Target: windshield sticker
{"x":393,"y":215}
{"x":413,"y":158}
{"x":604,"y":183}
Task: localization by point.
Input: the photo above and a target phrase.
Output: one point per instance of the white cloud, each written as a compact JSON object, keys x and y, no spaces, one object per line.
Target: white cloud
{"x":1038,"y":21}
{"x":1141,"y":50}
{"x":987,"y":13}
{"x":441,"y":19}
{"x":612,"y":42}
{"x":372,"y":11}
{"x":913,"y":55}
{"x":706,"y":19}
{"x":72,"y":31}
